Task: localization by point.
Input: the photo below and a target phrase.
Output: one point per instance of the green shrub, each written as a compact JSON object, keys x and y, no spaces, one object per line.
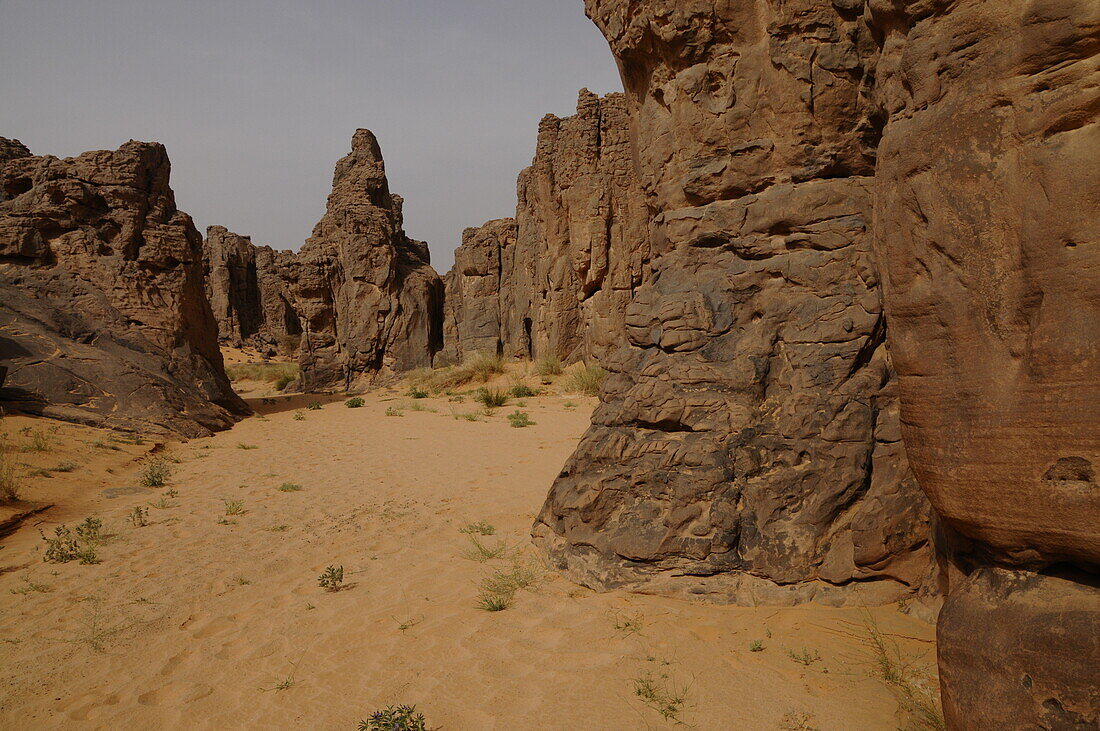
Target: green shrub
{"x":355,"y":402}
{"x":394,"y":718}
{"x":415,"y":392}
{"x":332,"y":578}
{"x":266,"y":372}
{"x":522,"y":390}
{"x":394,"y":411}
{"x":519,"y":419}
{"x":156,"y":473}
{"x":314,"y":406}
{"x":586,"y":379}
{"x":282,"y":382}
{"x":548,"y":366}
{"x":139,"y":517}
{"x":491,"y":398}
{"x":234,"y":507}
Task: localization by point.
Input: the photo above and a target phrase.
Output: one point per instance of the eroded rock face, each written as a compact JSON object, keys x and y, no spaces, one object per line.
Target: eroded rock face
{"x":471,"y":313}
{"x":103,"y":318}
{"x":367,"y":298}
{"x":576,"y":251}
{"x":249,"y":297}
{"x":986,"y":200}
{"x":747,"y":445}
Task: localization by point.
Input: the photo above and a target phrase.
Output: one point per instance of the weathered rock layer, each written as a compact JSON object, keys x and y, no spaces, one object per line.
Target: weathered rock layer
{"x":103,"y":317}
{"x":564,"y":270}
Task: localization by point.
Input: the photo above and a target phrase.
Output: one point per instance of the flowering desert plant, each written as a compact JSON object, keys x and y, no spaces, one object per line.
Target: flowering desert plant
{"x":394,"y":718}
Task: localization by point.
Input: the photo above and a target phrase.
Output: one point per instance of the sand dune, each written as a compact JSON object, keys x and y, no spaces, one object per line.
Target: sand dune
{"x":205,"y":620}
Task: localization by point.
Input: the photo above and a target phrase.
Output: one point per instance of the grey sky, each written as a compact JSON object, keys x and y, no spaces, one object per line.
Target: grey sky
{"x":257,"y":99}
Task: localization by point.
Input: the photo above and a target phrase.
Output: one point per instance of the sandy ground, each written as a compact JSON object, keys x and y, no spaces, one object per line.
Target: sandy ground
{"x":203,"y":620}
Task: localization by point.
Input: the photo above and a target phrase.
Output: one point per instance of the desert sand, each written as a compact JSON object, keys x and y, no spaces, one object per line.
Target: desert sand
{"x":204,"y":620}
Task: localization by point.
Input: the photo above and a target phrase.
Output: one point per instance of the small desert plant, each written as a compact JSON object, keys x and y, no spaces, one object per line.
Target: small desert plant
{"x":289,"y":487}
{"x":469,"y":416}
{"x":332,"y":578}
{"x":30,"y":586}
{"x":415,"y":392}
{"x":156,"y":473}
{"x":270,"y":372}
{"x":394,"y":718}
{"x":314,"y":406}
{"x":139,"y":516}
{"x":522,"y":390}
{"x":805,"y":657}
{"x":519,"y":419}
{"x":480,"y":528}
{"x":482,"y":552}
{"x":282,"y":382}
{"x":756,"y":646}
{"x":242,"y":445}
{"x":569,"y":405}
{"x":511,"y":581}
{"x":234,"y":507}
{"x":548,"y":366}
{"x":90,"y":530}
{"x":491,"y":398}
{"x":493,"y":602}
{"x":40,"y":441}
{"x":586,"y":379}
{"x":656,"y":691}
{"x":64,"y":467}
{"x":394,"y":411}
{"x":355,"y":402}
{"x":9,"y":483}
{"x":299,"y":416}
{"x":629,"y":625}
{"x":64,"y":547}
{"x":915,"y":690}
{"x":163,"y":504}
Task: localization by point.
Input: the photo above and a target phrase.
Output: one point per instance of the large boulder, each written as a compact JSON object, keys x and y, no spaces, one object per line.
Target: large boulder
{"x":987,"y":192}
{"x":747,"y":444}
{"x":103,"y":318}
{"x":367,"y":298}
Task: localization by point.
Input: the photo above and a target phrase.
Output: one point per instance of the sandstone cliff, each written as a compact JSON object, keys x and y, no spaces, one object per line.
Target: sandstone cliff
{"x":103,"y":319}
{"x":566,"y":267}
{"x":755,"y":389}
{"x":248,"y":294}
{"x":747,"y":446}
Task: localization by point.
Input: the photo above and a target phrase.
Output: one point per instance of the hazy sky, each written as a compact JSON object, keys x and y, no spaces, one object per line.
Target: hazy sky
{"x":257,"y":99}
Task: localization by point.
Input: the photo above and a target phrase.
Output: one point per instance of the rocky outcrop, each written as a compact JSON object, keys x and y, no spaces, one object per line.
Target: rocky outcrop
{"x":747,"y":444}
{"x":103,"y":319}
{"x":574,"y":255}
{"x":367,"y":298}
{"x":986,"y":196}
{"x":471,"y":311}
{"x":249,"y":297}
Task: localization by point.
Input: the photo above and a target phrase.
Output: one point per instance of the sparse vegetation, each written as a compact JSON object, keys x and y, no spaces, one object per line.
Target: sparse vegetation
{"x":332,"y":578}
{"x":163,"y":504}
{"x":64,"y":546}
{"x":39,"y":441}
{"x":657,"y":691}
{"x":478,"y":368}
{"x":9,"y":482}
{"x":289,"y":487}
{"x":491,"y":602}
{"x":279,"y":374}
{"x":586,"y":379}
{"x":415,"y":392}
{"x":299,"y":416}
{"x":355,"y":402}
{"x":314,"y":406}
{"x":234,"y":507}
{"x":916,"y":690}
{"x":522,"y":390}
{"x":629,"y":625}
{"x":569,"y":405}
{"x":480,"y":528}
{"x":469,"y":416}
{"x":491,"y":398}
{"x":394,"y":411}
{"x":518,"y":577}
{"x":395,"y":718}
{"x":156,"y":473}
{"x":756,"y":646}
{"x":805,"y":657}
{"x":31,"y":587}
{"x":139,"y":516}
{"x":548,"y":367}
{"x":798,"y":722}
{"x":482,"y":552}
{"x":66,"y":466}
{"x":242,"y":445}
{"x":519,"y":419}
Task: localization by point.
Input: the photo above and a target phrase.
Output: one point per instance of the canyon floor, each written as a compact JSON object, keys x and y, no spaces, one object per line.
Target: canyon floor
{"x":211,"y":615}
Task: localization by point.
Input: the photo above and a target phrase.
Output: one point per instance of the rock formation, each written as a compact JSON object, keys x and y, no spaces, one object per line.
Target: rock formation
{"x":103,"y":319}
{"x":755,"y":390}
{"x":361,"y":294}
{"x":747,"y":446}
{"x":250,"y":299}
{"x":471,"y":311}
{"x":987,"y":232}
{"x":569,"y":263}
